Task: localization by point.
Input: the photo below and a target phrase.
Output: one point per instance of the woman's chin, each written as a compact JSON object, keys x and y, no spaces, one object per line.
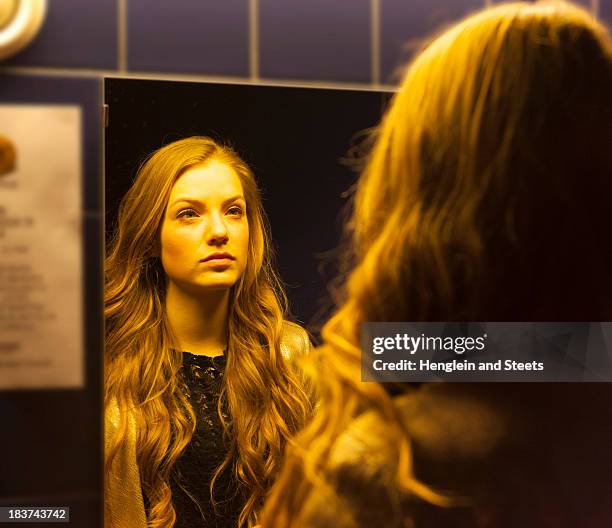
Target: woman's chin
{"x":216,"y":283}
{"x":205,"y":285}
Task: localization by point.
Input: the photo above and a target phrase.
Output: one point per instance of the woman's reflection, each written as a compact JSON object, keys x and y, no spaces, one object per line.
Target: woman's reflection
{"x":200,"y":391}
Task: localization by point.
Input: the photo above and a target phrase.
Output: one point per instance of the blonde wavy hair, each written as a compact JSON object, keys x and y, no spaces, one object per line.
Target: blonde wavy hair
{"x":485,"y":190}
{"x":265,"y":398}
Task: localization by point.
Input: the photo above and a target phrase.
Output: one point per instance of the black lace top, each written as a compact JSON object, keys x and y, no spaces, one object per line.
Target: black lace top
{"x":193,"y":471}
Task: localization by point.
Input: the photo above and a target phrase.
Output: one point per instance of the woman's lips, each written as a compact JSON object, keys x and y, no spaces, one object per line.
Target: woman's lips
{"x":219,"y":260}
{"x":218,"y":256}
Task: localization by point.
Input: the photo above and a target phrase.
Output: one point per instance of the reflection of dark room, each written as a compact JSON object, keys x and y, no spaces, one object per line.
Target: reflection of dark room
{"x":293,"y":139}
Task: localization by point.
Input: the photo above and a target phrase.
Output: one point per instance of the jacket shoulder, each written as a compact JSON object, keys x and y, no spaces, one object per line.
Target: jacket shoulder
{"x":295,"y":342}
{"x":123,"y":501}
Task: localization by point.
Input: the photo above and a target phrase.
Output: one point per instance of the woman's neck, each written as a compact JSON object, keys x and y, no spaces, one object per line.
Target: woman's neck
{"x":198,"y":320}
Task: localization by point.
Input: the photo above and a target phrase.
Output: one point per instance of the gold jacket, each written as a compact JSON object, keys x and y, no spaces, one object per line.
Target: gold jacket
{"x":511,"y":454}
{"x":123,"y":501}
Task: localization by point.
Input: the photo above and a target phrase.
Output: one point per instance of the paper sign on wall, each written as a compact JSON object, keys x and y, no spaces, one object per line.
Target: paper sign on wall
{"x":41,"y":292}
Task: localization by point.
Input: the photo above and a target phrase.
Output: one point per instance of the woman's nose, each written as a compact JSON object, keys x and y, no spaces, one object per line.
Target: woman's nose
{"x":217,"y":230}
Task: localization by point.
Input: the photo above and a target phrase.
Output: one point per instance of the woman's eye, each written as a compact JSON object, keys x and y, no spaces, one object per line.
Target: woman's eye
{"x":235,"y":210}
{"x":187,"y":213}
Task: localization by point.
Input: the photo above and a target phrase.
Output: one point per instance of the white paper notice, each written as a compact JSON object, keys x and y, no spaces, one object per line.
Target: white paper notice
{"x":41,"y":297}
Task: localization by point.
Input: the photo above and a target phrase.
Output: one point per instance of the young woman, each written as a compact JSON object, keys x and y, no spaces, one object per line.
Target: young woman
{"x":201,"y":392}
{"x":485,"y":198}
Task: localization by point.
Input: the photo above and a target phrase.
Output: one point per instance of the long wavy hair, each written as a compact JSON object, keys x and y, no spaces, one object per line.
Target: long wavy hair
{"x":265,"y":398}
{"x":485,"y":197}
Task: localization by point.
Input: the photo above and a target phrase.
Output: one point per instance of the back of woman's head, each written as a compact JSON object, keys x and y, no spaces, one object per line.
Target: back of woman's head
{"x":483,"y":198}
{"x":485,"y":195}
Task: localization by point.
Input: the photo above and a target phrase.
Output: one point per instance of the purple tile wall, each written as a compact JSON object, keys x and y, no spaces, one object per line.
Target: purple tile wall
{"x":189,"y":36}
{"x":584,"y":3}
{"x":605,"y":11}
{"x":315,"y":39}
{"x":405,"y":24}
{"x":80,"y":34}
{"x":311,"y":40}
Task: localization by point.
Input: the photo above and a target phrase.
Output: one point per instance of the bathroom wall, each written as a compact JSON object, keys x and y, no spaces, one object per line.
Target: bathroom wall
{"x":51,"y":439}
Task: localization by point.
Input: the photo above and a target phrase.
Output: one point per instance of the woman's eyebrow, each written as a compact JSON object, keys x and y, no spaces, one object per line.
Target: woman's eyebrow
{"x":233,"y":199}
{"x":195,"y":201}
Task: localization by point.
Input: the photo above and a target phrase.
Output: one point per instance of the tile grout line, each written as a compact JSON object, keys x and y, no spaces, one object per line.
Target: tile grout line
{"x":254,"y":39}
{"x":122,"y":34}
{"x":173,"y":77}
{"x":375,"y":41}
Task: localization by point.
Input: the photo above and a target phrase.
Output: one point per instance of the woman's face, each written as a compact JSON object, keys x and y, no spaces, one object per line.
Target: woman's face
{"x":205,"y":231}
